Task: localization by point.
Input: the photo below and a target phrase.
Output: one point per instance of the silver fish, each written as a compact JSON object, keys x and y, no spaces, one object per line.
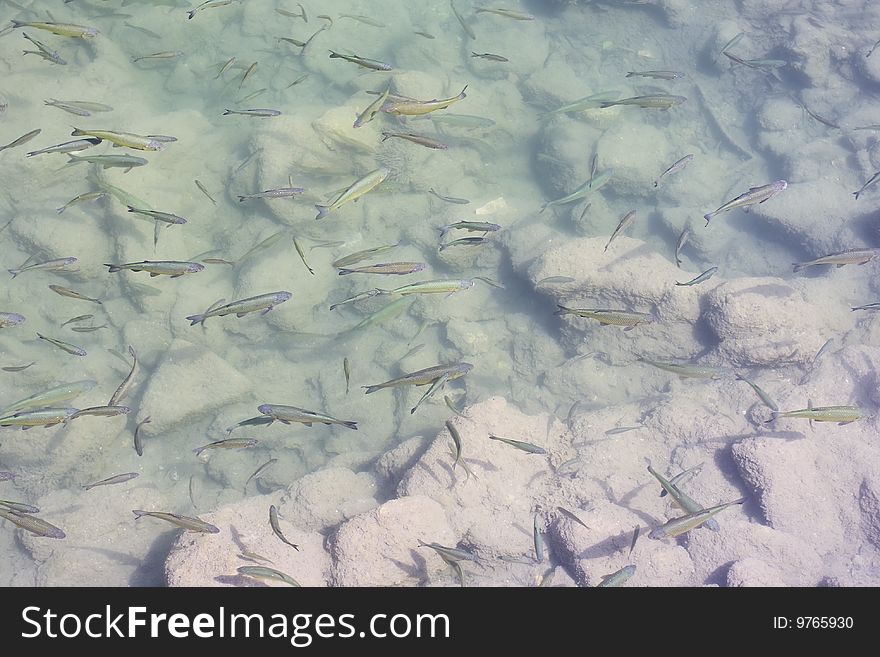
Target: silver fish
{"x":754,"y":196}
{"x":115,"y":479}
{"x":262,"y":303}
{"x":675,"y":168}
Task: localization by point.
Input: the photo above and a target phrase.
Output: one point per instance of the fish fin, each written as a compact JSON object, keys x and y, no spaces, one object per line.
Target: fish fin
{"x":190,"y":14}
{"x":196,"y":319}
{"x":708,"y":217}
{"x":797,"y":266}
{"x":198,"y":450}
{"x":323,"y":210}
{"x":76,"y":132}
{"x":226,"y":112}
{"x":371,"y":389}
{"x":351,"y":425}
{"x":856,"y":194}
{"x":138,"y":513}
{"x":344,"y":272}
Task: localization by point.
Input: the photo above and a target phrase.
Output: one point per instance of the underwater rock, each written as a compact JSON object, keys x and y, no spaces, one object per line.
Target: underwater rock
{"x":324,"y":498}
{"x":213,"y":559}
{"x":792,"y":560}
{"x":782,"y":474}
{"x":591,"y":554}
{"x":381,"y":547}
{"x":869,"y":506}
{"x":392,"y":465}
{"x":634,"y":176}
{"x":753,"y":572}
{"x":210,"y":383}
{"x":765,"y":321}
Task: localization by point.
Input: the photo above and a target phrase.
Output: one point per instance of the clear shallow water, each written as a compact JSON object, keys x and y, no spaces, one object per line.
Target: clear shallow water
{"x":744,"y":125}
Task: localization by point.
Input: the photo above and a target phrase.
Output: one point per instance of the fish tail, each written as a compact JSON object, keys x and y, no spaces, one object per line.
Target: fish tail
{"x":797,"y":266}
{"x":14,"y":272}
{"x":196,"y":319}
{"x":226,"y":111}
{"x":113,"y":268}
{"x":371,"y":389}
{"x":241,"y":199}
{"x":335,"y":55}
{"x":139,"y":514}
{"x":351,"y":425}
{"x":385,"y":135}
{"x":323,"y":210}
{"x":562,"y":310}
{"x":190,"y":14}
{"x":461,"y":93}
{"x":198,"y":450}
{"x":708,"y":217}
{"x":606,"y":103}
{"x":543,"y":207}
{"x":76,"y":132}
{"x":443,"y":232}
{"x":856,"y":194}
{"x":343,"y":272}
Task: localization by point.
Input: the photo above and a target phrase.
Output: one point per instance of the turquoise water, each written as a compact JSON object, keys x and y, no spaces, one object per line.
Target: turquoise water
{"x":509,"y":150}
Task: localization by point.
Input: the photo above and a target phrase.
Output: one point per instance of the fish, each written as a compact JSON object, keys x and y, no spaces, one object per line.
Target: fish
{"x":588,"y":102}
{"x":438,"y":286}
{"x":419,"y":107}
{"x":624,"y":223}
{"x":354,"y":191}
{"x":763,"y":64}
{"x":867,"y":306}
{"x":555,"y":280}
{"x":490,"y":56}
{"x":61,"y":29}
{"x":276,"y":527}
{"x":208,"y":4}
{"x":464,"y":241}
{"x":364,"y":62}
{"x":73,"y":294}
{"x":288,"y":414}
{"x":346,"y":370}
{"x":452,"y":407}
{"x":873,"y":48}
{"x":678,"y":526}
{"x":526,"y":447}
{"x":50,"y":265}
{"x":618,"y":430}
{"x":69,"y":348}
{"x":705,"y":276}
{"x":763,"y":396}
{"x":618,"y":578}
{"x":302,"y":255}
{"x":184,"y":522}
{"x":102,"y":411}
{"x":262,"y":113}
{"x":20,"y":507}
{"x":62,"y":393}
{"x":394,"y":268}
{"x":34,"y":525}
{"x":17,"y":368}
{"x":820,"y":119}
{"x":164,"y":217}
{"x":657,"y":75}
{"x":369,"y":294}
{"x":372,"y":110}
{"x":466,"y":121}
{"x":509,"y":13}
{"x":172,"y":268}
{"x":539,"y":540}
{"x":43,"y":51}
{"x":755,"y":195}
{"x":421,"y":140}
{"x":467,"y":28}
{"x":840,"y":414}
{"x":684,"y":370}
{"x":636,"y":531}
{"x":449,"y":199}
{"x":40,"y":417}
{"x":165,"y":54}
{"x":125,"y":387}
{"x":11,"y":319}
{"x":437,"y":385}
{"x":262,"y":303}
{"x":125,"y":161}
{"x":82,"y":198}
{"x":651,"y":101}
{"x":683,"y":238}
{"x":470,"y":226}
{"x":688,"y":474}
{"x":88,"y":329}
{"x":851,"y":257}
{"x":259,"y":471}
{"x":449,"y":554}
{"x":115,"y":479}
{"x":302,"y":13}
{"x":229,"y":443}
{"x":366,"y":20}
{"x":572,"y":516}
{"x":687,"y":503}
{"x":138,"y":441}
{"x":424,"y":377}
{"x":144,"y":30}
{"x":281,"y":192}
{"x":675,"y":168}
{"x":266,"y":573}
{"x":25,"y":138}
{"x":74,"y":146}
{"x":604,"y":316}
{"x":78,"y":107}
{"x":265,"y":245}
{"x":356,"y":257}
{"x":425,"y":34}
{"x":735,"y":40}
{"x":204,"y":191}
{"x":590,"y":186}
{"x":120,"y":139}
{"x":456,"y":439}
